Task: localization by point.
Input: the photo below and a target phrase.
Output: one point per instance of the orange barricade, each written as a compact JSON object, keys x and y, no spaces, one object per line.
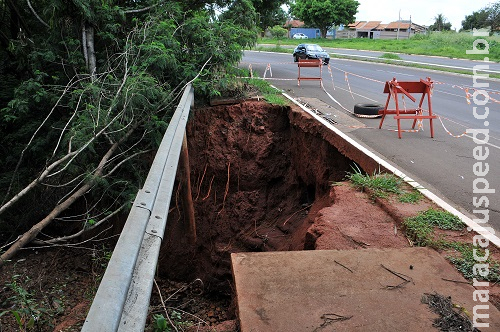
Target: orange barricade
{"x":393,"y":88}
{"x":311,"y":63}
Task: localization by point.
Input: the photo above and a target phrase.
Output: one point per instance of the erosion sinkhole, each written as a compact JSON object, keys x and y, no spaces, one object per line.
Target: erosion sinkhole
{"x":257,"y":172}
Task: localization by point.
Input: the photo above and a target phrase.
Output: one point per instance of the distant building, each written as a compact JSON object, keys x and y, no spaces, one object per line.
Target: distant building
{"x":378,"y":30}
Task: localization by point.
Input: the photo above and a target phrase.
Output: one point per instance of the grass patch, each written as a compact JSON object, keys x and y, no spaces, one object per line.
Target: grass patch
{"x":270,"y":94}
{"x":380,"y":185}
{"x":390,"y":56}
{"x":412,"y":197}
{"x":465,"y":261}
{"x":420,"y":229}
{"x":441,"y":219}
{"x":411,"y":65}
{"x":277,"y":49}
{"x":383,"y":185}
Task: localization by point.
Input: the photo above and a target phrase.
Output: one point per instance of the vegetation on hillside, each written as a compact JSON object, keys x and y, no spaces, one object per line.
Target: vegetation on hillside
{"x":487,"y":17}
{"x":87,"y":90}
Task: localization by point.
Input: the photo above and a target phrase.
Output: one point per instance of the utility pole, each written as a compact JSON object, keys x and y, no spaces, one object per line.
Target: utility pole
{"x":399,"y":24}
{"x":409,"y":29}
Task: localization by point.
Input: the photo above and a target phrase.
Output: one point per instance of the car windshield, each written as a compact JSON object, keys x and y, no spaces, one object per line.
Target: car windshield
{"x":314,"y":48}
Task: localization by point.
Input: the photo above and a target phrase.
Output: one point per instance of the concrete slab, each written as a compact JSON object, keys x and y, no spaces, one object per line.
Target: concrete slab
{"x":349,"y":290}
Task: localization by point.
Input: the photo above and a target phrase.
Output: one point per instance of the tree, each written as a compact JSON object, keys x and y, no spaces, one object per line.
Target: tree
{"x":493,"y":19}
{"x":91,"y":87}
{"x":440,"y":24}
{"x":325,"y":14}
{"x":270,"y":13}
{"x":278,"y":31}
{"x":476,"y":20}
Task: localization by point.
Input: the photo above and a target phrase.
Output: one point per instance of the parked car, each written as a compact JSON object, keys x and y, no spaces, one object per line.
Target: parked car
{"x":299,"y":36}
{"x":310,"y":51}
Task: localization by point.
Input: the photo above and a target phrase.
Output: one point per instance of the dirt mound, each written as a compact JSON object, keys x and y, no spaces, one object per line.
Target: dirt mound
{"x":343,"y":227}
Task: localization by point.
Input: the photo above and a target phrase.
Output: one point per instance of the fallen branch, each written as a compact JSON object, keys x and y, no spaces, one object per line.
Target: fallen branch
{"x":33,"y":183}
{"x":83,"y":230}
{"x":36,"y":15}
{"x":345,"y":267}
{"x":163,"y":305}
{"x":330,"y":319}
{"x":32,"y":233}
{"x":457,"y":281}
{"x":406,"y":279}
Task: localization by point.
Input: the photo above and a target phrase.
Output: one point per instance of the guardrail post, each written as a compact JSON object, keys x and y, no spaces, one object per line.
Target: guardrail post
{"x":187,"y":201}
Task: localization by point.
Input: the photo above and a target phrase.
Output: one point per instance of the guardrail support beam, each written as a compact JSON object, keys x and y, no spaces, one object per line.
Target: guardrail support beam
{"x":187,"y":201}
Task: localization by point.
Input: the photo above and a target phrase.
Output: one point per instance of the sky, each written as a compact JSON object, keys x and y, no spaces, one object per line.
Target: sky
{"x":422,"y":11}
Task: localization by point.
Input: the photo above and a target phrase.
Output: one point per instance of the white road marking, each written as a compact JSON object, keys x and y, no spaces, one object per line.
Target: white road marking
{"x":492,"y":145}
{"x":395,"y":72}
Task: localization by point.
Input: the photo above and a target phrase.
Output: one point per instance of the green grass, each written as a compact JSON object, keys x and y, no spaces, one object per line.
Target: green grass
{"x":452,"y":45}
{"x":383,"y":185}
{"x":270,"y":94}
{"x":420,"y":229}
{"x":277,"y":49}
{"x":465,"y":261}
{"x":380,"y":185}
{"x":412,"y":197}
{"x":441,"y":219}
{"x":390,"y":56}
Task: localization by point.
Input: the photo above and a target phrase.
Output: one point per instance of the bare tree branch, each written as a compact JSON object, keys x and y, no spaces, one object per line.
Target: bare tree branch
{"x":36,"y":15}
{"x":66,"y":89}
{"x":35,"y":182}
{"x":83,"y":230}
{"x":37,"y":228}
{"x":134,"y":11}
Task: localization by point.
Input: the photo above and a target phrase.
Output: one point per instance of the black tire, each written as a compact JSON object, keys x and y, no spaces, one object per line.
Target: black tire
{"x":367,"y":109}
{"x":295,"y":58}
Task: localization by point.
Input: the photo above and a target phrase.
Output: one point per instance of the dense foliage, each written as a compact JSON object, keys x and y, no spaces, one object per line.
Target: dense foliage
{"x":440,"y":24}
{"x":325,"y":14}
{"x":87,"y":89}
{"x":487,"y":17}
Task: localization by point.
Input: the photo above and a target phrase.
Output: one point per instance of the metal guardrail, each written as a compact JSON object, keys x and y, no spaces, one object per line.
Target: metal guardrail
{"x":122,"y":299}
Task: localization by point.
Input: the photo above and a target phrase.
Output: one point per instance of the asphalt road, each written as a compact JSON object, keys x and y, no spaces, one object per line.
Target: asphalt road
{"x":444,"y":164}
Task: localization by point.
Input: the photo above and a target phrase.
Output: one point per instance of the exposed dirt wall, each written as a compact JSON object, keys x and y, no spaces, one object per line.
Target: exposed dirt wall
{"x":255,"y":174}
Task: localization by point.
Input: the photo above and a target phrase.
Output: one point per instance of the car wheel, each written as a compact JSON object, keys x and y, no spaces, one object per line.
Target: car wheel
{"x":295,"y":58}
{"x":364,"y":110}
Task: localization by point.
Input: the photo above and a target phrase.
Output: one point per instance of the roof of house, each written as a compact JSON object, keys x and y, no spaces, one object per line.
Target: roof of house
{"x":398,"y":25}
{"x":365,"y":26}
{"x":368,"y":26}
{"x":293,"y":24}
{"x":356,"y":24}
